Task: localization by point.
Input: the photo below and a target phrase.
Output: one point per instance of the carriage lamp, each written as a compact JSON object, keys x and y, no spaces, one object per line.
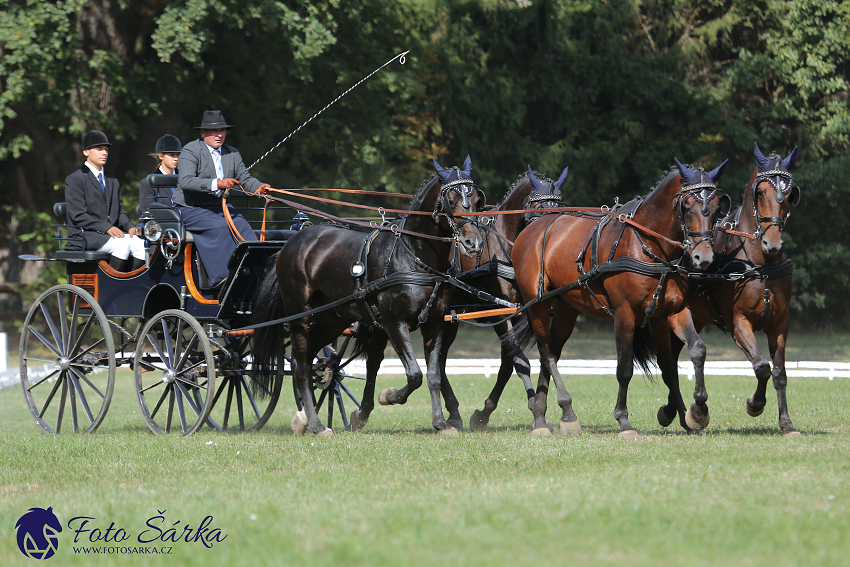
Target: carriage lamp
{"x":152,"y":231}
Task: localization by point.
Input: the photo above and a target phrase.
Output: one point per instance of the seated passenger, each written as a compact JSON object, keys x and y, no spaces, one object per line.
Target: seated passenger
{"x":167,"y":153}
{"x":207,"y":168}
{"x":93,"y":202}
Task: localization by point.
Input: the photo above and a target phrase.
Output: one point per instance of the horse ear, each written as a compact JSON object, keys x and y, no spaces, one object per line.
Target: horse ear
{"x":762,"y":161}
{"x":791,"y":159}
{"x":562,"y":179}
{"x":442,"y":173}
{"x":715,"y":174}
{"x":467,"y":166}
{"x":687,"y":174}
{"x":535,"y":183}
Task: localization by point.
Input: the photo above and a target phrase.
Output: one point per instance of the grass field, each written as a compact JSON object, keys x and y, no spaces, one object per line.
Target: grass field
{"x":396,"y":494}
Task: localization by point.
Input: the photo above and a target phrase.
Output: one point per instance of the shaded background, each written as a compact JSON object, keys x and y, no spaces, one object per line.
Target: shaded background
{"x":614,"y":89}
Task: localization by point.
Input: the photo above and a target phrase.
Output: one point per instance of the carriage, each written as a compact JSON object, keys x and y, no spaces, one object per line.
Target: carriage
{"x":180,"y":335}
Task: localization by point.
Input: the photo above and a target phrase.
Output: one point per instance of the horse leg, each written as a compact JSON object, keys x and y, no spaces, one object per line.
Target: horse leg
{"x":624,"y":333}
{"x":776,"y":342}
{"x":562,"y":327}
{"x":682,"y":324}
{"x":452,"y":405}
{"x":668,"y":348}
{"x":302,"y":373}
{"x":742,"y":333}
{"x":374,"y":358}
{"x":509,"y":362}
{"x":539,"y":318}
{"x":433,"y":338}
{"x":399,"y":337}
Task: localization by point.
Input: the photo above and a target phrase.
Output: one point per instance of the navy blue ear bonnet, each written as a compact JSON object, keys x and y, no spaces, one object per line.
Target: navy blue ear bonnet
{"x":460,"y":181}
{"x":542,"y":190}
{"x":774,"y":170}
{"x":701,"y":185}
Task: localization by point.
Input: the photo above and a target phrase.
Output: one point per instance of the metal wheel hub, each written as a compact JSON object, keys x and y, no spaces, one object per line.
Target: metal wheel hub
{"x":169,"y":376}
{"x":63,"y":363}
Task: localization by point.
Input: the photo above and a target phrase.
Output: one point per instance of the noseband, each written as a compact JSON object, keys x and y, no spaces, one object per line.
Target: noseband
{"x":783,"y":183}
{"x":463,"y":187}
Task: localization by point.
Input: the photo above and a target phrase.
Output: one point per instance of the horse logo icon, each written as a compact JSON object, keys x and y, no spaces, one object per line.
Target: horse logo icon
{"x":38,"y":533}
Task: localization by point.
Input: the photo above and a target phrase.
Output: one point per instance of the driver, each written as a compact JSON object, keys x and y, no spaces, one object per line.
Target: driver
{"x":207,"y":168}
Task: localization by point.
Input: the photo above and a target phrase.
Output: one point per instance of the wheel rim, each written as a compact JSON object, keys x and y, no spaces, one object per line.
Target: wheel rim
{"x":236,"y":407}
{"x":67,"y":361}
{"x":174,"y":373}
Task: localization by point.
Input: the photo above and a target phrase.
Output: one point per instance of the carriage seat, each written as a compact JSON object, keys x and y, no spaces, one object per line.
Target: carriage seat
{"x":60,"y":210}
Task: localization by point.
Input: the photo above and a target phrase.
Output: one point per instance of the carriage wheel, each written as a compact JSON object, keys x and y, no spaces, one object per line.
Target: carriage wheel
{"x":330,"y":394}
{"x":67,"y":360}
{"x":235,"y":406}
{"x":175,"y":373}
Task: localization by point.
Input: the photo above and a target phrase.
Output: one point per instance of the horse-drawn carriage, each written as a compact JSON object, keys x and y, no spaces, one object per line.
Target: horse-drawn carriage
{"x":164,"y":320}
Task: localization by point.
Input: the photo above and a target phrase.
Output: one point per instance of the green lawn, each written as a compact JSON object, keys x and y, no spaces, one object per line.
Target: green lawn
{"x":396,"y":494}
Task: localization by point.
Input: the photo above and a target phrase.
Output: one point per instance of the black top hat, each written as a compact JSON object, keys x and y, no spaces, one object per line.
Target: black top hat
{"x":213,"y":120}
{"x":168,"y":144}
{"x":95,"y":138}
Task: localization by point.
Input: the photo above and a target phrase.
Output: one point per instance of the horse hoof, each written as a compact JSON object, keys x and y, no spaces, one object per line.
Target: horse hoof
{"x":663,"y":420}
{"x":571,"y":428}
{"x":328,"y":432}
{"x":354,"y":421}
{"x":449,"y":432}
{"x":299,"y":423}
{"x":382,"y":399}
{"x":695,"y":422}
{"x":792,"y":434}
{"x":541,"y":432}
{"x":478,"y":421}
{"x":456,"y":423}
{"x":628,"y":434}
{"x":751,"y":408}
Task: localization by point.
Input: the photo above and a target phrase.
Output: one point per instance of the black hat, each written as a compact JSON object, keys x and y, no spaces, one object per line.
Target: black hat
{"x":213,"y":120}
{"x":168,"y":144}
{"x":95,"y":138}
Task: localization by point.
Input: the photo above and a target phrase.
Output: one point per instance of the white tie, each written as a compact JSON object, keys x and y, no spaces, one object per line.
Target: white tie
{"x":216,"y":154}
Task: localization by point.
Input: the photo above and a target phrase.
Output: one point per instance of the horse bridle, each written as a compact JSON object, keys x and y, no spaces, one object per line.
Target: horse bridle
{"x":783,"y":183}
{"x":465,"y":188}
{"x":702,"y":192}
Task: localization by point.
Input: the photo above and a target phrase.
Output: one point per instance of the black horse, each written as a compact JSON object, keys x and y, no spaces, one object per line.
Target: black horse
{"x":324,"y":264}
{"x":491,"y":271}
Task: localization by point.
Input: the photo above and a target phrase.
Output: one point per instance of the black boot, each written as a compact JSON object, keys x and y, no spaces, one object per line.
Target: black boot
{"x":116,"y":263}
{"x":136,"y":264}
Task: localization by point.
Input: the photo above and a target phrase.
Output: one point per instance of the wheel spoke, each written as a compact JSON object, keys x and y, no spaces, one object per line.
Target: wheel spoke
{"x":49,"y":320}
{"x":239,"y":407}
{"x":159,"y":403}
{"x":62,"y":404}
{"x":188,"y":398}
{"x":321,"y":400}
{"x":189,"y":346}
{"x":74,"y":379}
{"x":250,"y":397}
{"x":92,"y":386}
{"x":63,"y":321}
{"x":353,"y":399}
{"x":197,"y":364}
{"x":192,"y":384}
{"x":45,"y":342}
{"x":227,"y":404}
{"x":338,"y":395}
{"x":170,"y":410}
{"x":42,"y":380}
{"x":179,"y":342}
{"x":166,"y":339}
{"x":330,"y":407}
{"x":48,"y":360}
{"x":220,"y":389}
{"x":162,"y":357}
{"x":180,"y":410}
{"x":89,"y":348}
{"x":50,"y":397}
{"x":73,"y":397}
{"x":83,"y":332}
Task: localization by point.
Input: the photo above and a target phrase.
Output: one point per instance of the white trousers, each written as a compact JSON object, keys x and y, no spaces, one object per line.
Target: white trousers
{"x":121,"y":248}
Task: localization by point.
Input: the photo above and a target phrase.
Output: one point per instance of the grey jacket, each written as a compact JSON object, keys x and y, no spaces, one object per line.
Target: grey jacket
{"x":197,"y":171}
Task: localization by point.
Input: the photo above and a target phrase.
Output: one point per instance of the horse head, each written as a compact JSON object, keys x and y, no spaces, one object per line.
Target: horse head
{"x":459,"y":195}
{"x":545,"y":194}
{"x":774,"y":192}
{"x":700,"y":207}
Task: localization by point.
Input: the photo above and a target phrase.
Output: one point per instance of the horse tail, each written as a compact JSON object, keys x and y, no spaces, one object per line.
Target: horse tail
{"x":268,"y":346}
{"x":645,"y":350}
{"x":519,"y":337}
{"x":362,"y":340}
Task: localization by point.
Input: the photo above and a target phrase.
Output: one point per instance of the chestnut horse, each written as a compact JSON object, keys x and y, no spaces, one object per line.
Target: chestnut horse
{"x":491,"y":271}
{"x":759,"y":300}
{"x":321,"y":265}
{"x":556,"y":260}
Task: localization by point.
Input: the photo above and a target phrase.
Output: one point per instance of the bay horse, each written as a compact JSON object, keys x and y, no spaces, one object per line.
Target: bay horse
{"x":638,"y":284}
{"x":324,"y":264}
{"x":760,"y":299}
{"x":491,"y":271}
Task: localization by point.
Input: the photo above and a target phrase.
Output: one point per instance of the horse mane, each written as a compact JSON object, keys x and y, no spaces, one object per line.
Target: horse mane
{"x":520,"y":178}
{"x":667,"y":172}
{"x":418,"y":196}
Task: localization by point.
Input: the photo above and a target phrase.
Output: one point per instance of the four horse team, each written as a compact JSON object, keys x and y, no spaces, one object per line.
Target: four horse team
{"x":663,"y":266}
